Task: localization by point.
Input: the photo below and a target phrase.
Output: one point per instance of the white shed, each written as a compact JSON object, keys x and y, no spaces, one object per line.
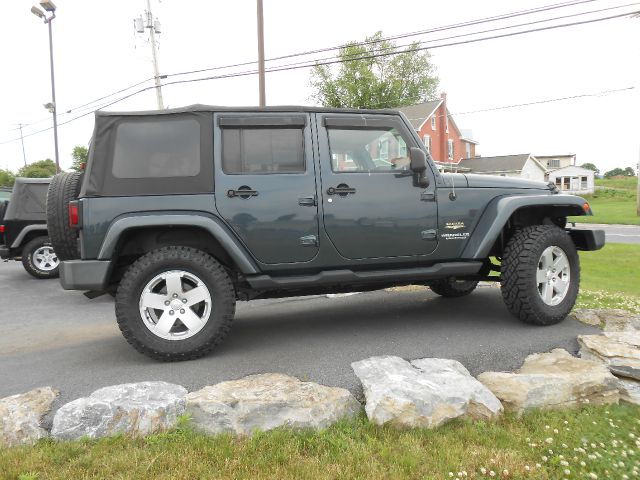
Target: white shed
{"x":573,"y":179}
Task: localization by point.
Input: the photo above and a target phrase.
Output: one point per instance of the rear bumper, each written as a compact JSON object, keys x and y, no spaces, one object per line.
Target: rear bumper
{"x":4,"y":252}
{"x":85,"y":274}
{"x":587,"y":239}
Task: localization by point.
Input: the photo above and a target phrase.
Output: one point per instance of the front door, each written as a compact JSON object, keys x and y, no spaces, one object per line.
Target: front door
{"x":372,"y":205}
{"x":265,"y":183}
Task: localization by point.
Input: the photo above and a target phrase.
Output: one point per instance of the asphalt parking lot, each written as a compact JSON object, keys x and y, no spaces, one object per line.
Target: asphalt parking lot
{"x":58,"y":338}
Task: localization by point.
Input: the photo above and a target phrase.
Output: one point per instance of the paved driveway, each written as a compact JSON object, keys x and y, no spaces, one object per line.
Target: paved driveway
{"x":58,"y":338}
{"x":616,"y":233}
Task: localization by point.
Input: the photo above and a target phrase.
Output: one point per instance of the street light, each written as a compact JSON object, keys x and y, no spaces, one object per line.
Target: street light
{"x":50,"y":7}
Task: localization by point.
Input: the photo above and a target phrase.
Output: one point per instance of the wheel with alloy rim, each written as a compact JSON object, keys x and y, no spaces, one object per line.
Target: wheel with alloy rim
{"x":175,"y":303}
{"x":540,"y":274}
{"x":39,"y":258}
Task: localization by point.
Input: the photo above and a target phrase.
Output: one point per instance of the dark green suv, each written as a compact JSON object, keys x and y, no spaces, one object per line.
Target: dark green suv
{"x":182,"y":212}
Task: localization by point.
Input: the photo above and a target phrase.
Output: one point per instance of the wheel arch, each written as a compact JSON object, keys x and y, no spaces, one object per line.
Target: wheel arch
{"x":504,"y":215}
{"x":137,"y":234}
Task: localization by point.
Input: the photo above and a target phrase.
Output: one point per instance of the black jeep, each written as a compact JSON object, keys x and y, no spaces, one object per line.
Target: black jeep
{"x":182,"y":212}
{"x":23,"y":228}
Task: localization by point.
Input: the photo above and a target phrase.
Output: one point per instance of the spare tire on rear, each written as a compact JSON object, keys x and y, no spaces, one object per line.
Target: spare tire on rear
{"x":64,"y":188}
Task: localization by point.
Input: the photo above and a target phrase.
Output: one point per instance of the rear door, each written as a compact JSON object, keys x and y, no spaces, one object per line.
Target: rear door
{"x":265,"y":183}
{"x":372,"y":205}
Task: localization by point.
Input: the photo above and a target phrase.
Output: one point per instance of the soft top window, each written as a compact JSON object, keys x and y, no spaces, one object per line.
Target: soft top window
{"x":170,"y":148}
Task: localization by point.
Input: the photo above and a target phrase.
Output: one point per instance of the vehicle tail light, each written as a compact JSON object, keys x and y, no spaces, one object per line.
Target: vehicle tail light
{"x":74,"y":214}
{"x":1,"y":228}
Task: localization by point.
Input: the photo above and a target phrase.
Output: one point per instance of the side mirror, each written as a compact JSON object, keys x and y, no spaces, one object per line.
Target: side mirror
{"x":419,"y":167}
{"x":418,"y":160}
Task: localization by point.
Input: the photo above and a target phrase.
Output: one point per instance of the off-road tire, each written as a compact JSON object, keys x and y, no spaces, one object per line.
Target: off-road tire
{"x":64,"y":188}
{"x":519,"y":285}
{"x":452,"y":288}
{"x":27,"y":259}
{"x":165,"y":259}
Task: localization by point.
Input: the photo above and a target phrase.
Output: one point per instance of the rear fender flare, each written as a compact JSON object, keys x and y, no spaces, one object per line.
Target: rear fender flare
{"x":23,"y":233}
{"x":215,"y":227}
{"x":500,"y":210}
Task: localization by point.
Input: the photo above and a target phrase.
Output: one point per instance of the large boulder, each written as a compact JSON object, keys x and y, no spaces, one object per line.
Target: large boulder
{"x":423,"y":393}
{"x":131,"y":408}
{"x":267,"y":401}
{"x":610,"y":319}
{"x":20,"y":416}
{"x":617,"y":349}
{"x":553,"y":380}
{"x":629,"y":390}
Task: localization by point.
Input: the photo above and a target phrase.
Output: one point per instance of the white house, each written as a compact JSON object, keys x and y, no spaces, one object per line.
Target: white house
{"x":573,"y":179}
{"x":524,"y":165}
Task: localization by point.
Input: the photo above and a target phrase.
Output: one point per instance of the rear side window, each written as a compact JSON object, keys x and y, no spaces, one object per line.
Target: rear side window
{"x":254,"y":151}
{"x":157,"y":149}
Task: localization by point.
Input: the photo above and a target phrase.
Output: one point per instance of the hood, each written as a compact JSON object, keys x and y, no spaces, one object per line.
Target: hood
{"x":494,"y":181}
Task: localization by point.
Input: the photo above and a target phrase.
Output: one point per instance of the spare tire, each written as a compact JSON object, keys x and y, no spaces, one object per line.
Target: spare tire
{"x":64,"y":188}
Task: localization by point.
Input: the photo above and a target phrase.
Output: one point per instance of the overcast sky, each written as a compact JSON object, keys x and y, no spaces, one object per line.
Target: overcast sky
{"x":96,"y":53}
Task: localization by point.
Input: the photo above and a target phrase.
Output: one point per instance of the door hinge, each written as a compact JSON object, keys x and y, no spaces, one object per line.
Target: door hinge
{"x":309,"y":241}
{"x":309,"y":201}
{"x":427,"y":196}
{"x":428,"y":234}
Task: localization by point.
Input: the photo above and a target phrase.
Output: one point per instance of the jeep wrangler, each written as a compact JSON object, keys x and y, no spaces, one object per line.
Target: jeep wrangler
{"x":183,"y":212}
{"x":23,"y":228}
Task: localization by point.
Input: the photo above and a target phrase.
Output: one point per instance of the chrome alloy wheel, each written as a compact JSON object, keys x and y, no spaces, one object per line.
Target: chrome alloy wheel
{"x":175,"y":305}
{"x":45,"y":259}
{"x":553,"y":275}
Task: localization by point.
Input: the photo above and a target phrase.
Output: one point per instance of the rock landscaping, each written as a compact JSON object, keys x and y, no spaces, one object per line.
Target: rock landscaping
{"x":132,"y":408}
{"x":553,"y":380}
{"x":20,"y":416}
{"x":611,"y":320}
{"x":423,"y":393}
{"x":267,"y":401}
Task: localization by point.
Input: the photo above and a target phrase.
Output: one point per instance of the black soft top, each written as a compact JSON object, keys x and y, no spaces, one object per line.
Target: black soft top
{"x":28,"y":199}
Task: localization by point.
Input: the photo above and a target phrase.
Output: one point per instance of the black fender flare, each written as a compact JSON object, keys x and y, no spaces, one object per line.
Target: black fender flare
{"x":500,"y":209}
{"x":214,"y":226}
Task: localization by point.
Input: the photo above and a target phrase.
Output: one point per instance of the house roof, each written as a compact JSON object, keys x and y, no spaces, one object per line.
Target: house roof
{"x":574,"y":169}
{"x":420,"y":113}
{"x":506,"y":163}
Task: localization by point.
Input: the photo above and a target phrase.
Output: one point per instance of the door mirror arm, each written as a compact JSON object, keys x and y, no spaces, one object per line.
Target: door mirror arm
{"x":419,"y":167}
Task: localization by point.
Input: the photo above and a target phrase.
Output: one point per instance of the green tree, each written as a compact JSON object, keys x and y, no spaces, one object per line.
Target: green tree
{"x":7,"y":177}
{"x":79,"y":155}
{"x":591,"y":166}
{"x":40,"y":169}
{"x":375,"y":74}
{"x":629,"y":172}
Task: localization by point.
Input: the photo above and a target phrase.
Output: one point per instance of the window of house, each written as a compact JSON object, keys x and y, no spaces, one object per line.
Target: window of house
{"x":566,"y":183}
{"x":427,"y":142}
{"x":559,"y":182}
{"x":433,"y":123}
{"x":367,"y":150}
{"x":553,"y":163}
{"x":255,"y":151}
{"x":157,"y":149}
{"x":450,"y":151}
{"x":584,"y":183}
{"x":468,"y":150}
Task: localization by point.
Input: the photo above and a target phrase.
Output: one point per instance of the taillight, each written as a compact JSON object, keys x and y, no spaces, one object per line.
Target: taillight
{"x":74,"y":214}
{"x":1,"y":228}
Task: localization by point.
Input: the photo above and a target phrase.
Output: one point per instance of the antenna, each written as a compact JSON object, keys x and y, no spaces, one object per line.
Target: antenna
{"x":141,"y":24}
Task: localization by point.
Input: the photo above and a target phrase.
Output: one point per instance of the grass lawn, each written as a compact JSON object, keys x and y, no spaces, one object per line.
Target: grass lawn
{"x":615,"y":202}
{"x":602,"y":441}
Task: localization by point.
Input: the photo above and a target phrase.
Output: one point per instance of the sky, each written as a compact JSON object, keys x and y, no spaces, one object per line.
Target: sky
{"x":97,"y":52}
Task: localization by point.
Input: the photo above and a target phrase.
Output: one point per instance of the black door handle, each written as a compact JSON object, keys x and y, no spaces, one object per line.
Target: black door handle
{"x":243,"y":192}
{"x":343,"y":190}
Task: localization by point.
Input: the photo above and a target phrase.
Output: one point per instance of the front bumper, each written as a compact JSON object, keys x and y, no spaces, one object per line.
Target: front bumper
{"x":4,"y":252}
{"x":85,"y":274}
{"x":587,"y":239}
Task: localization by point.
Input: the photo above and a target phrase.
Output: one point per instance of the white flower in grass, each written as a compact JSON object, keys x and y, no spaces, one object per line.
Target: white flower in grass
{"x":505,"y":472}
{"x":564,"y":463}
{"x":544,"y":458}
{"x":593,"y":476}
{"x":451,"y":474}
{"x":538,"y":465}
{"x":566,"y":423}
{"x":555,"y":430}
{"x":561,"y":457}
{"x":567,"y":471}
{"x":492,"y":473}
{"x":582,"y":464}
{"x":526,"y":467}
{"x":483,"y":470}
{"x":547,"y":427}
{"x":564,"y":445}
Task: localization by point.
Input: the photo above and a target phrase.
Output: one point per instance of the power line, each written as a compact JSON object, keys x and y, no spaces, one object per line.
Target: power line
{"x":334,"y":61}
{"x":383,"y":39}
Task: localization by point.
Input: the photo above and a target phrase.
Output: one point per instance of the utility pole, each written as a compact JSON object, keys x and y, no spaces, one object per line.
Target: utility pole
{"x":263,"y":101}
{"x":24,"y":155}
{"x":638,"y":187}
{"x":154,"y":28}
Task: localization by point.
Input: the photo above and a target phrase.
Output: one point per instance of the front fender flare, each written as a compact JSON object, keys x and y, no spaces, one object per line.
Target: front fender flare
{"x":500,"y":209}
{"x":212,"y":225}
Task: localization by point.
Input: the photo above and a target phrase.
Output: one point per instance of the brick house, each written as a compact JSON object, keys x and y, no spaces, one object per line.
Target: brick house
{"x":446,"y":143}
